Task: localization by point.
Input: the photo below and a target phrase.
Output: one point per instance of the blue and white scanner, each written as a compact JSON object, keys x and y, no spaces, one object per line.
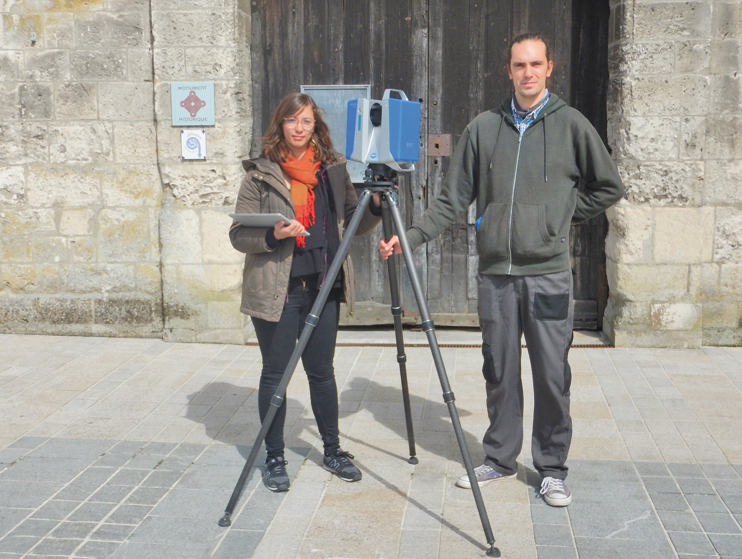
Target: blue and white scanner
{"x":386,"y":131}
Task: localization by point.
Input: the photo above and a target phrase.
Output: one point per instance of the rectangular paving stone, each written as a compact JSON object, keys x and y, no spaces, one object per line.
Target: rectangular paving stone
{"x":686,"y":542}
{"x":137,"y":550}
{"x":176,"y":531}
{"x":734,"y":502}
{"x":549,"y":515}
{"x":129,"y":514}
{"x":675,"y":521}
{"x":146,"y":462}
{"x":727,"y":545}
{"x":718,"y":523}
{"x":56,"y":510}
{"x":51,"y":546}
{"x":616,"y":520}
{"x":685,"y":470}
{"x":77,"y":491}
{"x":34,"y":527}
{"x":28,"y":442}
{"x":727,"y":486}
{"x":95,"y":475}
{"x":193,"y":503}
{"x":73,"y":530}
{"x":669,"y":501}
{"x":654,"y":469}
{"x":161,"y":479}
{"x":97,"y":550}
{"x":111,"y":493}
{"x":36,"y":469}
{"x":146,"y":496}
{"x":112,"y":532}
{"x":661,"y":485}
{"x":706,"y":503}
{"x":10,"y":455}
{"x":19,"y":544}
{"x":695,"y":486}
{"x":605,"y":548}
{"x":719,"y":471}
{"x":238,"y":543}
{"x":113,"y":460}
{"x":128,"y":477}
{"x":554,"y":552}
{"x":91,"y":512}
{"x":78,"y":449}
{"x":547,"y":534}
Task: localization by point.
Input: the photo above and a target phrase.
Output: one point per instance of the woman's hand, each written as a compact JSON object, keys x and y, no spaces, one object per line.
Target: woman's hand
{"x":293,"y":229}
{"x":386,"y":249}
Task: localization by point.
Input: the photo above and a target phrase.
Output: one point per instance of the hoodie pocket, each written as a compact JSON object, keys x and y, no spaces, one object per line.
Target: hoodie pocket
{"x":530,"y":238}
{"x":492,"y":234}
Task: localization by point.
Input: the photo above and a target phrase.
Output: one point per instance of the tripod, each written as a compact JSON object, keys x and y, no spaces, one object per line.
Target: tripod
{"x":379,"y":178}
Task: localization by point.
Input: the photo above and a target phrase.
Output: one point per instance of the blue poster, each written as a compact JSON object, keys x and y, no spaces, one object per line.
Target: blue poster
{"x":192,"y":103}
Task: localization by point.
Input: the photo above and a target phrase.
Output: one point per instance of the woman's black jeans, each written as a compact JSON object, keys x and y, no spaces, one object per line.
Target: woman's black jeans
{"x":277,"y":341}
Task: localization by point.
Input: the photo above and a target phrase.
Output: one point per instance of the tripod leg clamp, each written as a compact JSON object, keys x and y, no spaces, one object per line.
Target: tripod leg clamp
{"x":396,"y":311}
{"x":276,"y":400}
{"x":427,"y":326}
{"x":312,"y":320}
{"x":448,"y":397}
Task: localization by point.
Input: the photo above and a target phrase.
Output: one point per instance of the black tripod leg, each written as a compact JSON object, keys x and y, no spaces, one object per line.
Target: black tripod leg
{"x":397,"y":314}
{"x":310,"y":323}
{"x":448,"y":397}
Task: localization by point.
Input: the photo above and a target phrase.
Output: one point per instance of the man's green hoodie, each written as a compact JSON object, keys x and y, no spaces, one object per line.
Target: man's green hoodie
{"x":528,"y":188}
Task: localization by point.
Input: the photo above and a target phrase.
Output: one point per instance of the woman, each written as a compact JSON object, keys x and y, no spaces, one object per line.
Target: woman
{"x":300,"y":176}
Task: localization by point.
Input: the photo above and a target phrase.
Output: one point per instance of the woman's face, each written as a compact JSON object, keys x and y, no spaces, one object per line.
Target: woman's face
{"x":297,"y":131}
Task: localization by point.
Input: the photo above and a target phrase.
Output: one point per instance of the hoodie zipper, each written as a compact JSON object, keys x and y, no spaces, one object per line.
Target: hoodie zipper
{"x":512,"y":204}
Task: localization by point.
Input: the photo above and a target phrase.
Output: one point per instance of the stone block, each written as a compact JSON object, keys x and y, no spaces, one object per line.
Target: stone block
{"x":723,"y":137}
{"x":722,"y":337}
{"x":225,"y":315}
{"x":59,"y":30}
{"x":140,"y":65}
{"x":190,"y":4}
{"x":123,"y":311}
{"x":134,"y":142}
{"x":148,"y":278}
{"x":35,"y":101}
{"x":683,"y":235}
{"x":669,"y":316}
{"x":730,"y":280}
{"x":692,"y":137}
{"x":641,"y":58}
{"x":132,"y":185}
{"x":126,"y":101}
{"x":720,"y":314}
{"x":728,"y":235}
{"x":678,"y":339}
{"x":703,"y":282}
{"x":626,"y":313}
{"x":76,"y":221}
{"x":725,"y":21}
{"x":87,"y":278}
{"x":111,"y":29}
{"x":48,"y":186}
{"x":30,"y":278}
{"x":11,"y":62}
{"x":14,"y":249}
{"x":98,"y":65}
{"x":671,"y":183}
{"x":56,"y":310}
{"x":671,"y":20}
{"x":217,"y":63}
{"x":203,"y":184}
{"x":725,"y":57}
{"x":180,"y":236}
{"x":18,"y":28}
{"x":83,"y":249}
{"x":124,"y":5}
{"x":12,"y":185}
{"x":47,"y":66}
{"x":233,"y":100}
{"x":170,"y":64}
{"x":725,"y":94}
{"x":77,"y":101}
{"x":670,"y":95}
{"x":640,"y":282}
{"x":214,"y":28}
{"x":26,"y":221}
{"x":629,"y":237}
{"x":48,"y":249}
{"x":15,"y":312}
{"x":723,"y":178}
{"x":227,"y":142}
{"x":693,"y":57}
{"x":90,"y":142}
{"x":11,"y":104}
{"x":65,"y":5}
{"x":125,"y":235}
{"x":217,"y":249}
{"x":645,"y":138}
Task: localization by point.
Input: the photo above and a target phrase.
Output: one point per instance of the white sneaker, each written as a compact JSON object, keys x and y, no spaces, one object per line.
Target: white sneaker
{"x":484,"y":475}
{"x":555,"y":492}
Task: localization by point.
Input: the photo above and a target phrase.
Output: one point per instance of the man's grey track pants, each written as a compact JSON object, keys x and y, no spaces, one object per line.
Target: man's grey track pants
{"x":540,"y":307}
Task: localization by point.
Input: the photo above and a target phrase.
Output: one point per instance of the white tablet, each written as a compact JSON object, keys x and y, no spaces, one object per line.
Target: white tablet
{"x":260,"y":220}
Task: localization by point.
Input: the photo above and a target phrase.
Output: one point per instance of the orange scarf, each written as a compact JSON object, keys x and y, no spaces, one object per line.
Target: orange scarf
{"x":303,"y":173}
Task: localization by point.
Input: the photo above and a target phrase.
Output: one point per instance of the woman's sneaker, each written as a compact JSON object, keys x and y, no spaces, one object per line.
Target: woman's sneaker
{"x":338,"y":462}
{"x":555,"y":492}
{"x":275,"y":477}
{"x":484,"y":474}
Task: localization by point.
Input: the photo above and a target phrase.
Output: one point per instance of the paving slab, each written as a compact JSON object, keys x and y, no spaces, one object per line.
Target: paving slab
{"x":130,"y":448}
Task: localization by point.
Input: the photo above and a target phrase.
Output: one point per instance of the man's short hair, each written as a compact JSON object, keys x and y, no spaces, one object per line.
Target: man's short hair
{"x":528,"y":37}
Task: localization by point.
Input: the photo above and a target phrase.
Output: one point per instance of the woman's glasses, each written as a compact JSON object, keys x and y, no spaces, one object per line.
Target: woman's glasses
{"x":292,"y":122}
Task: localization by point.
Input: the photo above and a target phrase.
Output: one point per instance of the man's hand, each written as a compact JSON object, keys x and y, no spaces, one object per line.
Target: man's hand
{"x":386,"y":249}
{"x":293,"y":229}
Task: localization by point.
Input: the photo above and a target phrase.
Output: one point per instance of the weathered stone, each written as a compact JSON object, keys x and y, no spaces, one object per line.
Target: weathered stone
{"x":668,"y":316}
{"x":693,"y":57}
{"x":170,"y":64}
{"x":27,"y":221}
{"x":110,"y":29}
{"x":14,"y":249}
{"x":645,"y":138}
{"x":692,"y":137}
{"x":725,"y":95}
{"x":76,"y":221}
{"x":81,"y":278}
{"x":722,"y":182}
{"x":225,"y":315}
{"x":730,"y":279}
{"x":683,"y":235}
{"x":720,"y":314}
{"x":123,"y":311}
{"x":35,"y":101}
{"x":232,"y":100}
{"x":81,"y":143}
{"x":184,"y":29}
{"x":725,"y":20}
{"x":48,"y":249}
{"x":11,"y":104}
{"x":50,"y":185}
{"x":140,"y":66}
{"x":63,"y":311}
{"x":132,"y":185}
{"x":722,"y":336}
{"x":15,"y":312}
{"x":18,"y":30}
{"x":180,"y":236}
{"x":48,"y":65}
{"x":641,"y":58}
{"x":98,"y":65}
{"x":82,"y":249}
{"x":626,"y":313}
{"x":124,"y":5}
{"x":629,"y":237}
{"x":30,"y":278}
{"x":59,"y":30}
{"x":680,"y":339}
{"x":217,"y":249}
{"x":724,"y":137}
{"x":134,"y":142}
{"x":10,"y":65}
{"x":677,"y":183}
{"x":671,"y":20}
{"x":76,"y":100}
{"x":12,"y":185}
{"x":125,"y":235}
{"x":172,"y":5}
{"x":216,"y":63}
{"x":650,"y":95}
{"x":725,"y":57}
{"x":641,"y":282}
{"x":203,"y":184}
{"x":148,"y":279}
{"x":703,"y":282}
{"x":126,"y":101}
{"x":728,"y":237}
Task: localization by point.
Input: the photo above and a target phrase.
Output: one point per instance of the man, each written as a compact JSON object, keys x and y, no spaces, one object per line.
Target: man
{"x":533,"y":166}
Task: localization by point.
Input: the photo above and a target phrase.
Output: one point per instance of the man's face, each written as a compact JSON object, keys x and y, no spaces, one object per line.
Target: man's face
{"x":529,"y":69}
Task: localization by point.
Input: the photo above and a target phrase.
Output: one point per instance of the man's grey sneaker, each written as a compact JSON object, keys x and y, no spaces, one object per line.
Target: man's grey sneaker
{"x":338,"y":462}
{"x":275,"y":477}
{"x":555,"y":492}
{"x":484,"y":475}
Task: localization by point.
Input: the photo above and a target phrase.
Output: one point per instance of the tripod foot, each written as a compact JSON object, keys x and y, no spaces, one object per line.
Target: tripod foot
{"x":413,"y":460}
{"x":224,"y":521}
{"x":493,"y":551}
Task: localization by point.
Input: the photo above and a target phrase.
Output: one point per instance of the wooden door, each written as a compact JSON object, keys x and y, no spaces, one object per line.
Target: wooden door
{"x":450,"y":56}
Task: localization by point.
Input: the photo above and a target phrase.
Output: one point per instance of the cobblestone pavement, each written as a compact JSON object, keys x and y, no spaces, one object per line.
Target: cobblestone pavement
{"x":130,"y":448}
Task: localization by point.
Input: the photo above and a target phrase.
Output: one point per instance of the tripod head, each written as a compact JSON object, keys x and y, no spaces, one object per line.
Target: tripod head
{"x":379,"y":177}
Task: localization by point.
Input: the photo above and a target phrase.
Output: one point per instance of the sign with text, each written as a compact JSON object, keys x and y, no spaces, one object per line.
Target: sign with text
{"x":192,"y":103}
{"x":193,"y":144}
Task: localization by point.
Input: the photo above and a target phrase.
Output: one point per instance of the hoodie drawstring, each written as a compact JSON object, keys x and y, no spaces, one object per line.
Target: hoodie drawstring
{"x":497,"y":138}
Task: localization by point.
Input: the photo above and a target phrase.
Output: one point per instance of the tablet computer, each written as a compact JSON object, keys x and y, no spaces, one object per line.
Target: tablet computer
{"x":260,"y":220}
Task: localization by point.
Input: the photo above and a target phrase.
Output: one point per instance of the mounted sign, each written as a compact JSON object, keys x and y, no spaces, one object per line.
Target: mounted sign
{"x":192,"y":103}
{"x":193,"y":144}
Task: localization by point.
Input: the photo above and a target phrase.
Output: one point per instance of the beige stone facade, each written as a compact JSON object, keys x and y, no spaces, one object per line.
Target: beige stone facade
{"x":105,"y":230}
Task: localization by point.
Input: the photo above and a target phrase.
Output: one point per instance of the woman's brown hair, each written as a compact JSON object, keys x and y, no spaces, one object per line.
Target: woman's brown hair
{"x":274,"y":145}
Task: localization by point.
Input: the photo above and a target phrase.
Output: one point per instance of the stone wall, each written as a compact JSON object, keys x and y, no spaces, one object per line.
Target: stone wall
{"x":103,"y":229}
{"x":675,"y":125}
